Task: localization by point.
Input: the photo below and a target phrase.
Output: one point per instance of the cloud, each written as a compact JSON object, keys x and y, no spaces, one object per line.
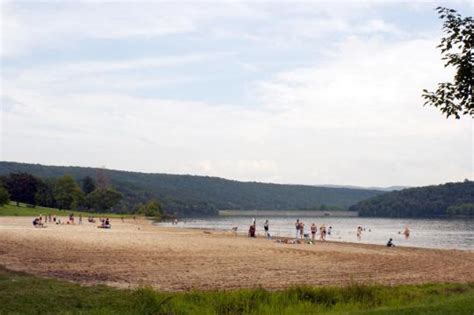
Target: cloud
{"x":64,"y":25}
{"x":357,"y":119}
{"x":333,"y":93}
{"x":39,"y":25}
{"x":362,"y":114}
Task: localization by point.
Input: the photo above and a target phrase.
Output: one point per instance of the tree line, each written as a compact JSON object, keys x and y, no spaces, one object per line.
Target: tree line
{"x":429,"y":201}
{"x":187,"y":195}
{"x":63,"y":192}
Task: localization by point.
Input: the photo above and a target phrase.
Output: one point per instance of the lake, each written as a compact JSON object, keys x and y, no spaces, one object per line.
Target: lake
{"x":429,"y":233}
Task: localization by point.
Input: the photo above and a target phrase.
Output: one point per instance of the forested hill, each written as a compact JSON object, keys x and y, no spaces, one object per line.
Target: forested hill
{"x":188,"y":194}
{"x":428,"y":201}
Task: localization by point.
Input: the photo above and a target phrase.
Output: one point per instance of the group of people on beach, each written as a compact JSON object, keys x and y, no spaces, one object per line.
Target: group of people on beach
{"x":104,"y":223}
{"x":300,"y":230}
{"x":323,"y":231}
{"x":41,"y":221}
{"x":302,"y":237}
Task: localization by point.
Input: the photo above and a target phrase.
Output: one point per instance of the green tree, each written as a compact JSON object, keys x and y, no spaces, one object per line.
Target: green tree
{"x":67,"y":193}
{"x":22,"y":187}
{"x":455,"y":98}
{"x":152,"y":208}
{"x":88,"y":185}
{"x":4,"y":196}
{"x":103,"y":199}
{"x":44,"y":194}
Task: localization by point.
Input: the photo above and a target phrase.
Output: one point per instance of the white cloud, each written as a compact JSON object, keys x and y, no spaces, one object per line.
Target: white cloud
{"x":354,"y":117}
{"x":63,"y":24}
{"x":355,"y":120}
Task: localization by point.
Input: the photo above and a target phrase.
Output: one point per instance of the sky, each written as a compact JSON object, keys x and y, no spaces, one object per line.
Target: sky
{"x":286,"y":92}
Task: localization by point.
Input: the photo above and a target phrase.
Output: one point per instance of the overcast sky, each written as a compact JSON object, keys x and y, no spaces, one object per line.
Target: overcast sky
{"x":307,"y":92}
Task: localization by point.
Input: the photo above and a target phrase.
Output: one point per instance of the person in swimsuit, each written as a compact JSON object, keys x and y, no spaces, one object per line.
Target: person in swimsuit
{"x":406,"y":233}
{"x":266,"y":227}
{"x":313,"y":231}
{"x":297,"y":226}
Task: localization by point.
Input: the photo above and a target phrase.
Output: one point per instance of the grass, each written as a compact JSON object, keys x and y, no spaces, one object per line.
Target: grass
{"x":24,"y":210}
{"x":25,"y":294}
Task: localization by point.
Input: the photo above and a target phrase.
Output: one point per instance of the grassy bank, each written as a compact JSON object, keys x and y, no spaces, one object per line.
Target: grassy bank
{"x":26,"y":294}
{"x":23,"y":210}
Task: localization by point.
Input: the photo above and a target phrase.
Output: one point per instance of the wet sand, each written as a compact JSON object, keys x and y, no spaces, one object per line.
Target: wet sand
{"x":173,"y":259}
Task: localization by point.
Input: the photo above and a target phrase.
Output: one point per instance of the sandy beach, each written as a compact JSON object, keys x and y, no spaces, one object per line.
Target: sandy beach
{"x":171,"y":259}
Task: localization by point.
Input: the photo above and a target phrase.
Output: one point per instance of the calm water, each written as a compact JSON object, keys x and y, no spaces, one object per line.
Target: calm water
{"x":430,"y":233}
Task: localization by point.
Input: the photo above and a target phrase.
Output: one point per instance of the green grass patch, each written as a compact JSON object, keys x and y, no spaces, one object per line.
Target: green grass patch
{"x":28,"y":211}
{"x":25,"y":294}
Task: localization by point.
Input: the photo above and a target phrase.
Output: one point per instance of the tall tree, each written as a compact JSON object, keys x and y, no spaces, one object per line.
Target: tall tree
{"x":4,"y":196}
{"x":44,"y":194}
{"x":88,"y":185}
{"x":67,"y":193}
{"x":103,"y":199}
{"x":22,"y":187}
{"x":456,"y":98}
{"x":152,"y":208}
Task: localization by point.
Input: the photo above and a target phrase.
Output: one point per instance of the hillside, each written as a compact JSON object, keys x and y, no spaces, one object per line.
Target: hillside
{"x":428,"y":201}
{"x":200,"y":195}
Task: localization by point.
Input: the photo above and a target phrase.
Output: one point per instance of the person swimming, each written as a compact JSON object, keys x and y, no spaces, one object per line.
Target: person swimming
{"x":406,"y":233}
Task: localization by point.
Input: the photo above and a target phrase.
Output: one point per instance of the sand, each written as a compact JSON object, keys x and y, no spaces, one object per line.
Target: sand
{"x":170,"y":259}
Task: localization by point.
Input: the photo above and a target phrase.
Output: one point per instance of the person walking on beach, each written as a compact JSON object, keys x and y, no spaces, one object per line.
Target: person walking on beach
{"x":266,"y":227}
{"x":313,"y":231}
{"x":297,"y":226}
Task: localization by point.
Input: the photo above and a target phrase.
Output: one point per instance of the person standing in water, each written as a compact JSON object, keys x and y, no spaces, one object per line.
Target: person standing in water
{"x":297,"y":226}
{"x":313,"y":231}
{"x":266,"y":227}
{"x":322,"y":232}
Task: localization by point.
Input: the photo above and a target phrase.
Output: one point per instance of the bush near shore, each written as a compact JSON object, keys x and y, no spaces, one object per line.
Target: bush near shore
{"x":25,"y":294}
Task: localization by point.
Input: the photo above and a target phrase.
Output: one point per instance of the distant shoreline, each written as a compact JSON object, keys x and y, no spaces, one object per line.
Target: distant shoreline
{"x":288,"y":213}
